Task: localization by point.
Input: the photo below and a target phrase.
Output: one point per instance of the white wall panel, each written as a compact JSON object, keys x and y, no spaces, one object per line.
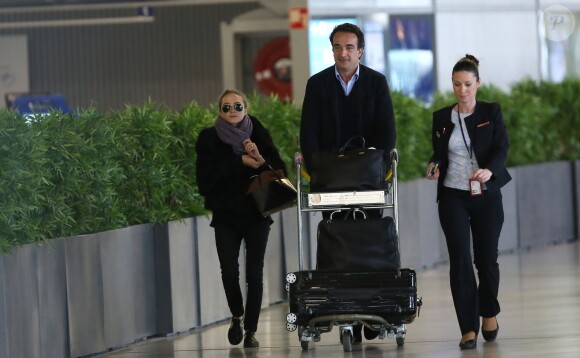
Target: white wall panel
{"x":364,"y":7}
{"x":506,"y":43}
{"x":13,"y":65}
{"x":183,"y":267}
{"x":573,"y":5}
{"x":495,"y":5}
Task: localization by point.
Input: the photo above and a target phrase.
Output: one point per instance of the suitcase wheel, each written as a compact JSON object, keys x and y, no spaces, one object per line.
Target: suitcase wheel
{"x":400,"y":335}
{"x":347,"y":340}
{"x":291,"y":278}
{"x":291,"y":327}
{"x":291,"y":318}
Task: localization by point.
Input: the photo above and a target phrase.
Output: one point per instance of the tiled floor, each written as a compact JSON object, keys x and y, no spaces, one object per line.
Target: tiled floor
{"x":539,"y":294}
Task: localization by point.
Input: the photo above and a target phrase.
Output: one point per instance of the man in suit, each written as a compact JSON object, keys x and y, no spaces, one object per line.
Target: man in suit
{"x":345,"y":100}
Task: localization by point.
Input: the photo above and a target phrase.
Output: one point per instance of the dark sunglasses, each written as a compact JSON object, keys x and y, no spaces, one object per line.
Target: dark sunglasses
{"x":237,"y":106}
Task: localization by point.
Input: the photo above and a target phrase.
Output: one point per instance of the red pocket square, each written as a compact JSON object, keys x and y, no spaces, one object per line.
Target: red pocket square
{"x":483,"y":124}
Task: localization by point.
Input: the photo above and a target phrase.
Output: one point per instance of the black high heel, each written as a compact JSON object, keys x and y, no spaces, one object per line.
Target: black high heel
{"x":468,"y":343}
{"x":490,"y":336}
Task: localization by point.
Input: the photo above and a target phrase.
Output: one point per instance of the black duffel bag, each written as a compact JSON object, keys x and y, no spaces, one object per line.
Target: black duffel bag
{"x":357,"y":245}
{"x":350,"y":169}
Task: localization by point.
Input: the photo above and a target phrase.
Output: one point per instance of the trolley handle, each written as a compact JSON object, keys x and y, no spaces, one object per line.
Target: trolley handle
{"x":298,"y":158}
{"x":298,"y":161}
{"x":394,"y":155}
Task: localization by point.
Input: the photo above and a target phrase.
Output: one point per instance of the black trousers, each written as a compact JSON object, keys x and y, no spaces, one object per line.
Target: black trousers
{"x":461,"y":214}
{"x":228,"y":243}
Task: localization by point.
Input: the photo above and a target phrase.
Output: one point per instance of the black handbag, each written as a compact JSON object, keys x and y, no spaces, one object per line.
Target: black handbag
{"x":357,"y":245}
{"x":349,"y":170}
{"x":272,"y":191}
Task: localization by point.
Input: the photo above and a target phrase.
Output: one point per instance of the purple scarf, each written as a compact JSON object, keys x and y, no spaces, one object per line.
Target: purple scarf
{"x":234,"y":135}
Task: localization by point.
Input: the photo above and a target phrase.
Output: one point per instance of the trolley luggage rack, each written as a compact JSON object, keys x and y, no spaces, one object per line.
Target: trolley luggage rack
{"x":386,"y":301}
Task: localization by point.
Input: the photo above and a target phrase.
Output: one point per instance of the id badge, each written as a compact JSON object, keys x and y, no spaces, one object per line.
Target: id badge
{"x":475,"y":188}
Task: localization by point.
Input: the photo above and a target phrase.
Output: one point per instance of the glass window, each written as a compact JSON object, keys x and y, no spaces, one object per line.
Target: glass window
{"x":560,"y":44}
{"x":320,"y":49}
{"x":400,"y":47}
{"x":411,"y":58}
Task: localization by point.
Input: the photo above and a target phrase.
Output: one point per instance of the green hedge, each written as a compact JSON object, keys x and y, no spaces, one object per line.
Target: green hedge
{"x":65,"y":175}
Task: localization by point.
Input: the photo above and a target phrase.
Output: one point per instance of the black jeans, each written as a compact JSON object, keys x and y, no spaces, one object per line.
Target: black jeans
{"x":228,"y":243}
{"x":483,"y":216}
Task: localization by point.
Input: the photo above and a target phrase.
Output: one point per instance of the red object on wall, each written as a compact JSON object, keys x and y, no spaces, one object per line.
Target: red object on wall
{"x":273,"y":68}
{"x":298,"y":17}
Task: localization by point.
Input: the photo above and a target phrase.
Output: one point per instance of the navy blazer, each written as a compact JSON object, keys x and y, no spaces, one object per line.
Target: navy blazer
{"x":223,"y":179}
{"x":321,"y":115}
{"x":489,"y":139}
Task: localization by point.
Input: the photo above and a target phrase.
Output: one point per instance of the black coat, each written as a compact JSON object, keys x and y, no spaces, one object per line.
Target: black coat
{"x":223,"y":179}
{"x":489,"y":139}
{"x":322,"y":117}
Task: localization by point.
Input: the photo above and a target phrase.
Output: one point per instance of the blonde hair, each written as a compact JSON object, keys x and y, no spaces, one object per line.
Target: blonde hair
{"x":236,"y":92}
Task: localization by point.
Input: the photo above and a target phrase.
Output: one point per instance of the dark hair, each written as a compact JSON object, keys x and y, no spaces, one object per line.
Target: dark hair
{"x":347,"y":27}
{"x":469,"y":64}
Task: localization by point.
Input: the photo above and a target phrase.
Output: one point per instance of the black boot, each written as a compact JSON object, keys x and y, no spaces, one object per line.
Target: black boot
{"x":250,"y":340}
{"x":236,"y":333}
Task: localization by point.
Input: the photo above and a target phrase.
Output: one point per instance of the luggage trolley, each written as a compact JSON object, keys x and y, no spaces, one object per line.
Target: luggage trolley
{"x":383,"y":301}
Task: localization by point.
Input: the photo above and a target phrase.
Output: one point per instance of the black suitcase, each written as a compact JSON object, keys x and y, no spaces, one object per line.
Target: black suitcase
{"x":391,"y":295}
